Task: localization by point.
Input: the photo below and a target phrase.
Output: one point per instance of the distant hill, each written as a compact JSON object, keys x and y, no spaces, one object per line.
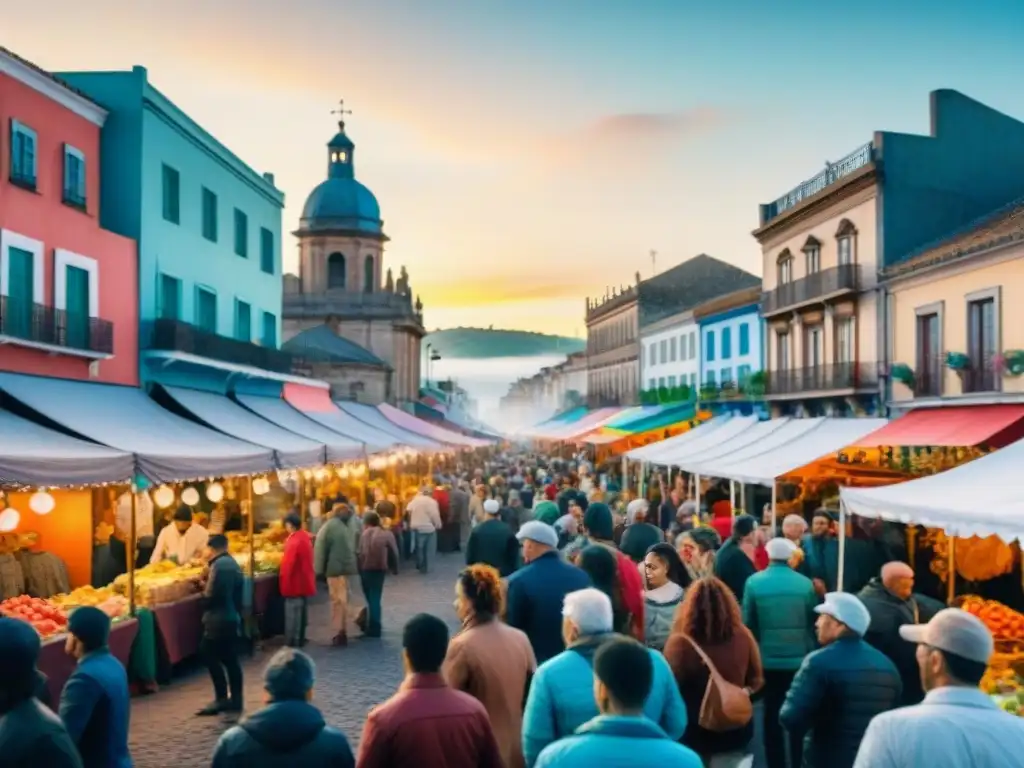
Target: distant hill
{"x":466,"y":343}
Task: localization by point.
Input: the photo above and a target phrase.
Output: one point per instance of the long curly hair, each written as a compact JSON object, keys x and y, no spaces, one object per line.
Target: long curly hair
{"x":709,"y":613}
{"x":481,"y":585}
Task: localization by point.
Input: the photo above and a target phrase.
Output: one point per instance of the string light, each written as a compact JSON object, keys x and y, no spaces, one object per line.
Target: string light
{"x":163,"y":496}
{"x":42,"y":503}
{"x":215,"y":492}
{"x":190,"y":496}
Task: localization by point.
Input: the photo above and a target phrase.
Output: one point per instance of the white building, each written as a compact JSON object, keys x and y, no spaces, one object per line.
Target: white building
{"x":670,"y":352}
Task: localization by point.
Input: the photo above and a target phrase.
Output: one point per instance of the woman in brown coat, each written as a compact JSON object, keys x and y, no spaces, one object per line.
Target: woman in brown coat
{"x":490,"y":660}
{"x":710,"y":617}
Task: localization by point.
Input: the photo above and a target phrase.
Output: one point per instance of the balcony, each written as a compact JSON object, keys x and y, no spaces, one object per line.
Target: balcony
{"x":823,"y":378}
{"x":28,"y":324}
{"x":833,"y":173}
{"x":980,"y":377}
{"x":831,"y":282}
{"x":178,"y":336}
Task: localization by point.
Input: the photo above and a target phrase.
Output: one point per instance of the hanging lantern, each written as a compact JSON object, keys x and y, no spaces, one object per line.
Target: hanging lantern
{"x":190,"y":496}
{"x":260,"y":486}
{"x":42,"y":503}
{"x":320,"y":474}
{"x":215,"y":492}
{"x":307,"y":474}
{"x":343,"y":473}
{"x":163,"y":496}
{"x":9,"y":520}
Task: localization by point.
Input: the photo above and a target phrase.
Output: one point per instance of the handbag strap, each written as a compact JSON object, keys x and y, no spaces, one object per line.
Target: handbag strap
{"x":712,"y":669}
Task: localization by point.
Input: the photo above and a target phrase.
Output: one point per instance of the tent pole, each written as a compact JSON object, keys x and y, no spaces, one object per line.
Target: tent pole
{"x":951,"y":581}
{"x":625,"y":473}
{"x":842,"y":545}
{"x":774,"y":499}
{"x":696,"y":486}
{"x":130,"y":555}
{"x":732,"y":496}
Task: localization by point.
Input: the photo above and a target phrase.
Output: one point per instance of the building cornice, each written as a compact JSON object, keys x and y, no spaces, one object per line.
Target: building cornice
{"x":51,"y":86}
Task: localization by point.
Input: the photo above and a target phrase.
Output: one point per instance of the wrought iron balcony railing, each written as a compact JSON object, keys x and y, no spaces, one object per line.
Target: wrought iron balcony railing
{"x":179,"y":336}
{"x":40,"y":324}
{"x":823,"y":378}
{"x":827,"y":282}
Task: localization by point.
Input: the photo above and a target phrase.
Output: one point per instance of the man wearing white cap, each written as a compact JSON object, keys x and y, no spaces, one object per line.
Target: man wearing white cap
{"x":840,"y":687}
{"x":492,"y":542}
{"x":956,"y":725}
{"x":778,"y":608}
{"x":536,"y":591}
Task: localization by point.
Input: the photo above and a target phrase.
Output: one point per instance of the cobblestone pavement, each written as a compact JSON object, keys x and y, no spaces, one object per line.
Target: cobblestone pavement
{"x":165,"y":731}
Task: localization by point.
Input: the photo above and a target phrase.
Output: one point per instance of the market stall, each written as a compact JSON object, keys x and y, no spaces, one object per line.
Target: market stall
{"x":438,"y":434}
{"x":316,"y":404}
{"x":278,"y":412}
{"x":370,"y":416}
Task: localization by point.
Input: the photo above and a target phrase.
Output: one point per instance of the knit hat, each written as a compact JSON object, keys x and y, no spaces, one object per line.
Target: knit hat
{"x":19,"y":649}
{"x":90,"y":625}
{"x":598,"y":521}
{"x":546,"y":512}
{"x":542,"y":533}
{"x":289,"y":675}
{"x":780,"y":549}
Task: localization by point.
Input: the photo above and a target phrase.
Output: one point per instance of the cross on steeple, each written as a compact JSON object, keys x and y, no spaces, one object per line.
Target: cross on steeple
{"x":341,"y":112}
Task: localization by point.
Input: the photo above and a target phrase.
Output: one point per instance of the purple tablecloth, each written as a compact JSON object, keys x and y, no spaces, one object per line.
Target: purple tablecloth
{"x":265,"y":588}
{"x":179,"y":626}
{"x":58,"y":666}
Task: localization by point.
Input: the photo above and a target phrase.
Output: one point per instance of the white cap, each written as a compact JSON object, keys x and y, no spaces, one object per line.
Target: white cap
{"x":491,"y":506}
{"x":953,"y":631}
{"x":846,"y":609}
{"x":780,"y":549}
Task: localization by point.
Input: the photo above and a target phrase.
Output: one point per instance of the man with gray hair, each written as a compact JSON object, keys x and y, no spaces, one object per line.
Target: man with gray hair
{"x":778,"y":608}
{"x":561,"y":695}
{"x":289,"y":730}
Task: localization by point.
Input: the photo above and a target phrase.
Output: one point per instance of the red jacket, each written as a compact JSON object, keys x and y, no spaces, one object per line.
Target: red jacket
{"x":297,"y":577}
{"x":429,"y":724}
{"x":632,"y":593}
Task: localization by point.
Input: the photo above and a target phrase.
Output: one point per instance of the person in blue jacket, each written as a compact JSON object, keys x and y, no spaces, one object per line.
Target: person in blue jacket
{"x":95,"y":704}
{"x":621,"y":735}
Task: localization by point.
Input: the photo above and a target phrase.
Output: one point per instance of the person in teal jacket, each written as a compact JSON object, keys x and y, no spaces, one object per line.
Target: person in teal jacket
{"x":778,"y":608}
{"x":624,"y":678}
{"x":561,"y":697}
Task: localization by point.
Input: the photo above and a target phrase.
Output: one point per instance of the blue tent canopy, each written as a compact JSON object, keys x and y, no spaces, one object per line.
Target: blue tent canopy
{"x":31,"y":454}
{"x":166,"y":447}
{"x":277,"y":411}
{"x":374,"y":418}
{"x":223,"y":414}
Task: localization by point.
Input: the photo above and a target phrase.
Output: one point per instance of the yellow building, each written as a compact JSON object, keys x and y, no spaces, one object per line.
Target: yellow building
{"x":960,"y":303}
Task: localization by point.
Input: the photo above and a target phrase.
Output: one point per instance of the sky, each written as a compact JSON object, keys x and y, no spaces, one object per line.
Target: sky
{"x":529,"y":154}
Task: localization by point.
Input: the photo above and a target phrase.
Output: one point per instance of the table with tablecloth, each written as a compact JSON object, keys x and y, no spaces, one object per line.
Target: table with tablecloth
{"x":55,"y":663}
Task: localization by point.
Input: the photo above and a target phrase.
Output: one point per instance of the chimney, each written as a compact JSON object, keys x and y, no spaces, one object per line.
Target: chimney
{"x":269,"y":178}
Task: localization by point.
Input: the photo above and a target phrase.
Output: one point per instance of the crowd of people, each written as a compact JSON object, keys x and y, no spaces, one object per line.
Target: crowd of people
{"x":596,"y":630}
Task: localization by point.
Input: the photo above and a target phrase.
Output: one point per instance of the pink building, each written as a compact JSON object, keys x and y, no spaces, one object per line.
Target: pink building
{"x":68,"y":289}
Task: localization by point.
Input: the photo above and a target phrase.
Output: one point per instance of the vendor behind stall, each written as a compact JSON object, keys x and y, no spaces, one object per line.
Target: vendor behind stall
{"x":122,"y":529}
{"x":183,"y":540}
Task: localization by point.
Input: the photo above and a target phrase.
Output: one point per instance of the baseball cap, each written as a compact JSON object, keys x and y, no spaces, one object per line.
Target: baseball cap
{"x":542,"y":533}
{"x":953,"y":631}
{"x":846,"y":609}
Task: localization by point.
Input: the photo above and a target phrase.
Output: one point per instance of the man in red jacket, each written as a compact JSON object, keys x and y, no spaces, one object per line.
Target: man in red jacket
{"x":298,"y":582}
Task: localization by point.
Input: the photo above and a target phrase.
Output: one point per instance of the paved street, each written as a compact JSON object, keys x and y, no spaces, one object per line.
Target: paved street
{"x":165,"y":731}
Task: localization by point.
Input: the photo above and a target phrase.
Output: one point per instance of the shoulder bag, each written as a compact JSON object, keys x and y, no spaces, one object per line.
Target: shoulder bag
{"x":725,"y":706}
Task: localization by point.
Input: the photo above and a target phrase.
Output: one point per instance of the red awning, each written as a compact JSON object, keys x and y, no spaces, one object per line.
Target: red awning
{"x":956,"y":426}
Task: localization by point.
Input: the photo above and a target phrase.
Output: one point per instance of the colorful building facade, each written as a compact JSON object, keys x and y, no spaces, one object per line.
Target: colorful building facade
{"x":68,"y":287}
{"x":209,"y":234}
{"x":670,"y":354}
{"x":825,"y":242}
{"x":731,"y":336}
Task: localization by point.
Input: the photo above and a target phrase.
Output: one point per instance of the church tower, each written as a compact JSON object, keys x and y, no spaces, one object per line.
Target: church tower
{"x":344,"y":285}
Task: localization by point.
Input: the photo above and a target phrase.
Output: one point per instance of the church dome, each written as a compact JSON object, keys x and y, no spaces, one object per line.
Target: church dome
{"x":341,"y":202}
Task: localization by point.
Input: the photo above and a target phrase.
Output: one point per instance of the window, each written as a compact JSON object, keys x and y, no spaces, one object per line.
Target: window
{"x":74,"y":177}
{"x":336,"y":271}
{"x":812,"y":255}
{"x":20,"y":299}
{"x":683,"y":348}
{"x":672,"y":381}
{"x":672,"y":349}
{"x":661,"y":382}
{"x":843,"y":327}
{"x":171,"y":195}
{"x":651,"y":354}
{"x":693,"y":345}
{"x":744,"y":339}
{"x":209,"y":215}
{"x":663,"y":350}
{"x":243,"y":321}
{"x":652,"y":384}
{"x":369,"y":276}
{"x":23,"y":155}
{"x":726,"y":343}
{"x":709,"y":345}
{"x":981,"y":345}
{"x":76,"y":307}
{"x":929,"y":356}
{"x":241,"y":234}
{"x":267,"y":251}
{"x":742,"y":374}
{"x":693,"y":381}
{"x":206,"y":310}
{"x":845,"y":250}
{"x":710,"y":379}
{"x":785,"y":267}
{"x":782,"y":357}
{"x":814,"y":346}
{"x":846,"y":247}
{"x":170,"y":297}
{"x":727,"y":376}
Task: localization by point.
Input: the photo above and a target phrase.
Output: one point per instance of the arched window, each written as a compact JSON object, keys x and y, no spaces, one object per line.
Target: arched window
{"x":846,"y":243}
{"x":812,"y":255}
{"x":785,"y":267}
{"x":368,"y":274}
{"x":336,"y":271}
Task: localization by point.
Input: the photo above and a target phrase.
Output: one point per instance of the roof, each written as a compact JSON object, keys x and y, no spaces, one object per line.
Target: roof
{"x":277,"y":411}
{"x":690,"y":284}
{"x":745,"y":297}
{"x":63,"y":92}
{"x":320,"y":344}
{"x":1000,"y":227}
{"x":341,"y":202}
{"x":952,"y":427}
{"x":317,"y":405}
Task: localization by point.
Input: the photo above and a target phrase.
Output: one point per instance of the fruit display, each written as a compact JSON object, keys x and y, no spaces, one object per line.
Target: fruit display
{"x":45,"y":617}
{"x":104,"y":598}
{"x":163,"y":582}
{"x":1005,"y":623}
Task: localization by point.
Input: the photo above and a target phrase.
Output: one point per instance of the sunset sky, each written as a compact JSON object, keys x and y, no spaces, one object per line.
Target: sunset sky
{"x":529,"y":153}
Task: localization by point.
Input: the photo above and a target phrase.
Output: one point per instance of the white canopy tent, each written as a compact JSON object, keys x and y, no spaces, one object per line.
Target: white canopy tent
{"x":670,"y":456}
{"x":647,"y":452}
{"x":756,"y":434}
{"x":984,"y":497}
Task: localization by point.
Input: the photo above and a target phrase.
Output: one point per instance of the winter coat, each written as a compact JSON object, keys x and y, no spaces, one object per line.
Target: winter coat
{"x":337,"y":544}
{"x":622,"y":741}
{"x":660,"y":606}
{"x":95,"y":708}
{"x":734,"y":567}
{"x":31,"y":736}
{"x":296,"y":576}
{"x":493,"y":543}
{"x":778,"y":608}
